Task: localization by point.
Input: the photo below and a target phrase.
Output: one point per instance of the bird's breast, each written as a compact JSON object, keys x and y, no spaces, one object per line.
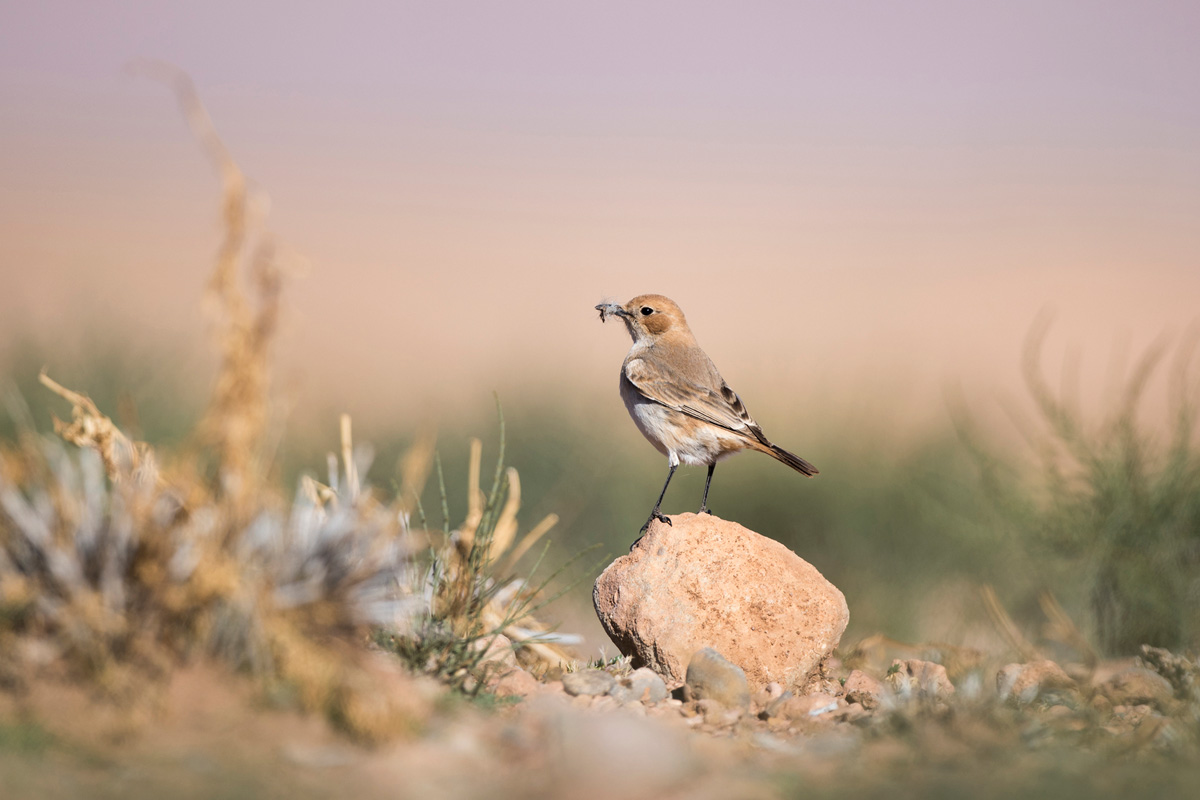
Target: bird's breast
{"x":689,"y":440}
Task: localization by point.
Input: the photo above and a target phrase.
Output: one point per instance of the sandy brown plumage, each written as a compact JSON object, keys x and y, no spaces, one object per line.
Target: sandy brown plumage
{"x":677,"y":397}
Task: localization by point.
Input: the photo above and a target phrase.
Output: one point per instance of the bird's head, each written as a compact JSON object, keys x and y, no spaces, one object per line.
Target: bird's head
{"x":647,"y":316}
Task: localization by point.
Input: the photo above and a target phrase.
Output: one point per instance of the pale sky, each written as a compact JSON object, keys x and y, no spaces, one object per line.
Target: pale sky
{"x":836,"y":193}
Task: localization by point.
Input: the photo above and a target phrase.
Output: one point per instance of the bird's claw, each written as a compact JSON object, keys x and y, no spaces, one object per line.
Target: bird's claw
{"x":705,"y":510}
{"x":656,"y":515}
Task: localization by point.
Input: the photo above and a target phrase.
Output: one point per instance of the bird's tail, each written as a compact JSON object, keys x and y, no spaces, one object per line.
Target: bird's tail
{"x":791,"y":459}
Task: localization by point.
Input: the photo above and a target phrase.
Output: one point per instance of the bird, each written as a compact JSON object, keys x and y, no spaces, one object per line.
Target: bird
{"x":678,"y":399}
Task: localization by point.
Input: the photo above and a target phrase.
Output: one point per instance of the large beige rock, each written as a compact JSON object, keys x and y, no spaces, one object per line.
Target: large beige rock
{"x":705,"y":582}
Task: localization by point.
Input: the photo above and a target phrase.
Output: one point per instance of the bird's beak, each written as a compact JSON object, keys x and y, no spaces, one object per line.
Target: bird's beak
{"x":611,"y":309}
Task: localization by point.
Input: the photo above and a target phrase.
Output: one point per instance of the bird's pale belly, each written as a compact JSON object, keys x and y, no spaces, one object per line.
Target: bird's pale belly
{"x":681,"y":438}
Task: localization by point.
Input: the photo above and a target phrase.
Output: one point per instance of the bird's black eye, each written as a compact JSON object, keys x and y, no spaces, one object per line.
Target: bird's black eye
{"x":647,"y":311}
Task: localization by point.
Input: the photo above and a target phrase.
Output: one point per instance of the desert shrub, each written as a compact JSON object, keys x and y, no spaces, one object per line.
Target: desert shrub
{"x":473,"y":604}
{"x":119,"y":560}
{"x":1114,"y":504}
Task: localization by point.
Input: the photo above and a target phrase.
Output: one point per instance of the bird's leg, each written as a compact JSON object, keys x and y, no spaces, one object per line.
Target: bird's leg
{"x":656,"y":514}
{"x":707,"y":481}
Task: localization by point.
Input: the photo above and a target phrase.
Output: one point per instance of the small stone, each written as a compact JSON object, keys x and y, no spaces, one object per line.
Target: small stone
{"x":588,"y":682}
{"x":640,"y":686}
{"x":1182,"y":673}
{"x":717,"y":714}
{"x":772,"y":709}
{"x":778,"y":724}
{"x":767,"y":695}
{"x":809,"y":706}
{"x":853,"y":713}
{"x":1139,"y":686}
{"x":861,"y":688}
{"x":516,"y":683}
{"x":710,"y":676}
{"x":919,"y":679}
{"x":1132,"y":715}
{"x":623,"y":695}
{"x":1025,"y":683}
{"x":604,"y":703}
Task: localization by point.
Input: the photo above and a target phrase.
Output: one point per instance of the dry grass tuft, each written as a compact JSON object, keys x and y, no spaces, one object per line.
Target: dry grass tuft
{"x":116,"y":564}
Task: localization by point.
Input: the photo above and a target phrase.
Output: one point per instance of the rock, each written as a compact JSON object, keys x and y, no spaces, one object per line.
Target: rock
{"x":919,"y":679}
{"x":861,"y":688}
{"x":647,"y":684}
{"x":808,"y":706}
{"x":1129,"y":717}
{"x":602,"y":703}
{"x":772,"y":709}
{"x":588,"y":682}
{"x":716,"y":714}
{"x":705,"y":582}
{"x":1182,"y":673}
{"x":640,"y":686}
{"x":767,"y":695}
{"x":516,"y":683}
{"x":711,"y":677}
{"x":1139,"y":686}
{"x":1025,"y":683}
{"x":623,"y":695}
{"x":854,"y":713}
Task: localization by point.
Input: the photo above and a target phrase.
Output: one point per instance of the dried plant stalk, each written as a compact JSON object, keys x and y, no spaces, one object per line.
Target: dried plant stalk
{"x":90,"y":428}
{"x":1007,"y":628}
{"x":236,"y":421}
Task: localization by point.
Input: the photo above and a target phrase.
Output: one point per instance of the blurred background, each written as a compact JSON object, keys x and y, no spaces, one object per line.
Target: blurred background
{"x":863,"y":208}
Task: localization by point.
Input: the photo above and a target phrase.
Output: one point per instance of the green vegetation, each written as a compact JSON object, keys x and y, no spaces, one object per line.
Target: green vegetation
{"x":24,"y":738}
{"x":1106,"y":517}
{"x":471,"y":603}
{"x":1111,"y":510}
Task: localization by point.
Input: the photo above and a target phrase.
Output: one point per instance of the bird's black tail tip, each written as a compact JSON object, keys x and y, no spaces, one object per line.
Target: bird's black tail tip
{"x":794,"y":461}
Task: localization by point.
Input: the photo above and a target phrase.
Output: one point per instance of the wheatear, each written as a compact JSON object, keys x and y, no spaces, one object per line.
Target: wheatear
{"x":677,"y":398}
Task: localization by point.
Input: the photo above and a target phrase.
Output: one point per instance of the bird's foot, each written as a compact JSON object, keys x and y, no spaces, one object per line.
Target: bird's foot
{"x":705,"y":510}
{"x":656,"y":515}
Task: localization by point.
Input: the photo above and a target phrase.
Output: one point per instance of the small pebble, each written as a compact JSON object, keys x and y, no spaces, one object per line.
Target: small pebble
{"x":588,"y":682}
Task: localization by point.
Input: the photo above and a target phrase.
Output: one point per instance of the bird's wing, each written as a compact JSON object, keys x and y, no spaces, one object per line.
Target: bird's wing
{"x":718,"y":406}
